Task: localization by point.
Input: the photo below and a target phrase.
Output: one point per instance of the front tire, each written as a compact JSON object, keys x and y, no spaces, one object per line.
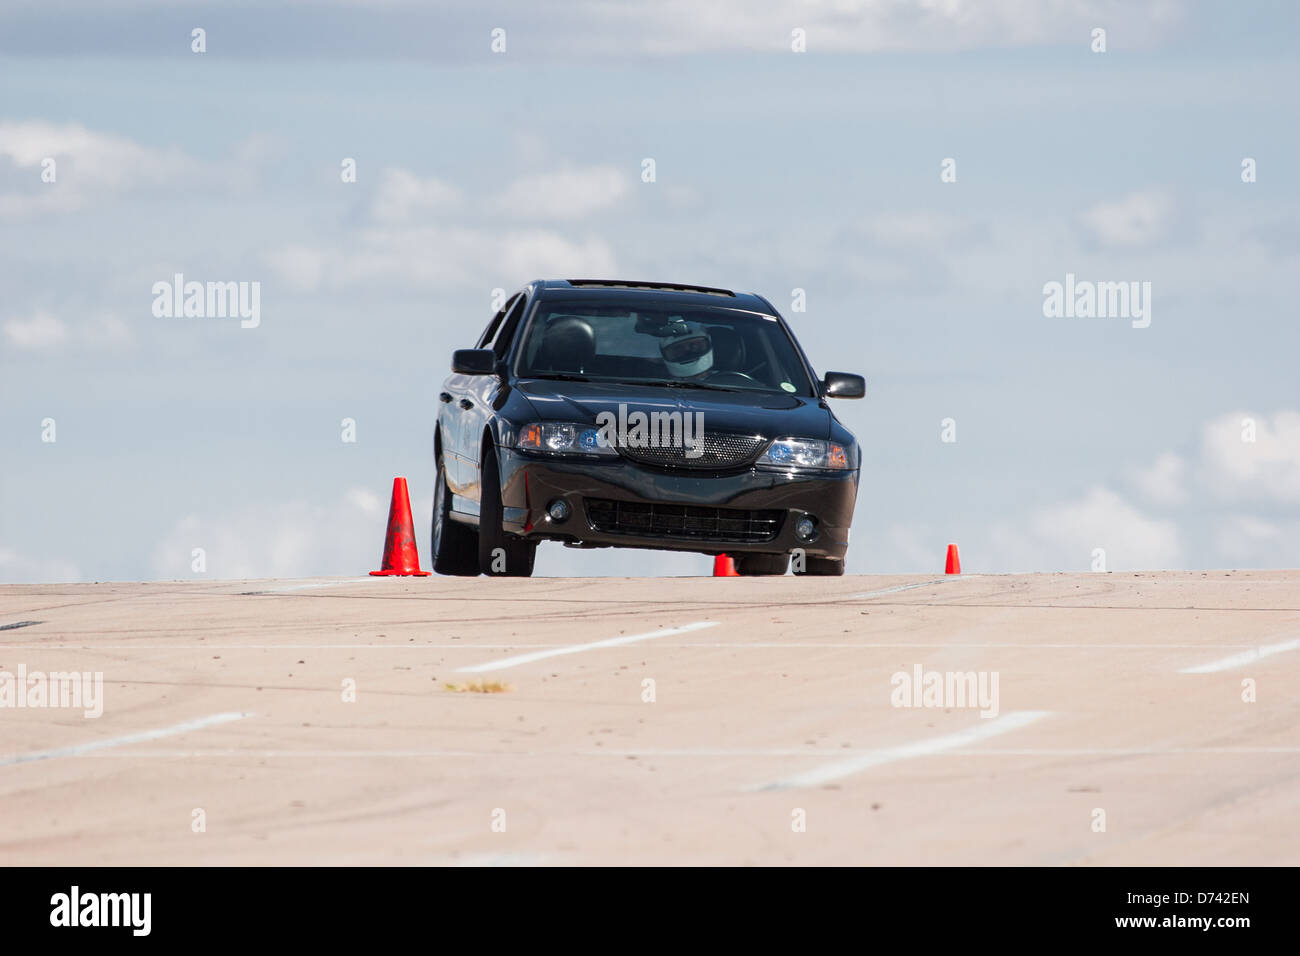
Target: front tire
{"x":500,"y":554}
{"x":454,"y":546}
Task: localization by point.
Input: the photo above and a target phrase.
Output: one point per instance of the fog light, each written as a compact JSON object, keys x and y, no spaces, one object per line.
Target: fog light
{"x":805,"y":528}
{"x":558,"y":510}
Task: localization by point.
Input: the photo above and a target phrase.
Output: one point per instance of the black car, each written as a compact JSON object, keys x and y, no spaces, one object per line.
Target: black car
{"x":641,"y":415}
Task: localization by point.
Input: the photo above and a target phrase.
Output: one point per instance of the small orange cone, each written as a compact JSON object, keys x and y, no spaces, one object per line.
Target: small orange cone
{"x":400,"y":556}
{"x":954,"y":561}
{"x":724,"y":567}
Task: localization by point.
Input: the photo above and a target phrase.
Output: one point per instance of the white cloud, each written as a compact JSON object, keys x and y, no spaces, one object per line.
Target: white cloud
{"x":545,"y":253}
{"x":301,"y":267}
{"x":1163,"y":483}
{"x":91,"y":165}
{"x":908,"y":549}
{"x":365,"y":501}
{"x":86,"y":163}
{"x":918,"y":228}
{"x":41,"y":331}
{"x":44,"y":331}
{"x":405,"y":244}
{"x":287,"y":539}
{"x":567,"y":194}
{"x":1065,"y":535}
{"x":99,"y":159}
{"x":1265,"y":470}
{"x":678,"y":26}
{"x":107,"y":330}
{"x":16,"y":568}
{"x":1242,"y":538}
{"x":587,"y":28}
{"x":23,"y":205}
{"x":1259,"y":481}
{"x":404,"y":196}
{"x":1138,"y":219}
{"x":428,"y":257}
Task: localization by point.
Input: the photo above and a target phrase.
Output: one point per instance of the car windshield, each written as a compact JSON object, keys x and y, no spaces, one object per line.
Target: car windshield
{"x":690,"y":347}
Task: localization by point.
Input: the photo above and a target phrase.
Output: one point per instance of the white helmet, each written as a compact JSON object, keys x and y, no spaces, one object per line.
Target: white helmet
{"x":687,"y":351}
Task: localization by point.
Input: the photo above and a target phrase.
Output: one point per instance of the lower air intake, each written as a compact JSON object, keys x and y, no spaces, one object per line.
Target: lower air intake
{"x":685,"y":522}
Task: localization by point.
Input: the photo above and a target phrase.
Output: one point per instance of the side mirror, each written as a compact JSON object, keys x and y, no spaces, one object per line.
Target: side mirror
{"x":844,"y":385}
{"x":473,"y":361}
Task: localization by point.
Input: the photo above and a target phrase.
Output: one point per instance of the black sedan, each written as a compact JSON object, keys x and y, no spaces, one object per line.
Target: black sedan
{"x":641,"y":415}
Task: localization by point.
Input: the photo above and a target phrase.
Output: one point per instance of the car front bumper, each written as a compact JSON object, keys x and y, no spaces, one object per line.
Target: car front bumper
{"x":529,"y":483}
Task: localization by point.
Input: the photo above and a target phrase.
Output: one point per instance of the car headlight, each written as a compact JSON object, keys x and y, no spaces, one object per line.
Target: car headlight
{"x":805,"y":453}
{"x":564,"y":438}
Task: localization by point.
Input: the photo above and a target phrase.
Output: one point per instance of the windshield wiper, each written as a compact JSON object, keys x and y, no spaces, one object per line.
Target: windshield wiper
{"x":563,"y":377}
{"x":678,"y":383}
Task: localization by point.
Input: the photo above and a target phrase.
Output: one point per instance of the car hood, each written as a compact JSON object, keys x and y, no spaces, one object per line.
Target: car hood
{"x":748,"y":412}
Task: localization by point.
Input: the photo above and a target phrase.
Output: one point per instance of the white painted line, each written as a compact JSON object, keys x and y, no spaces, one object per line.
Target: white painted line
{"x":578,"y":648}
{"x":955,"y":752}
{"x":145,"y":645}
{"x":696,"y":753}
{"x":895,"y":590}
{"x":238,"y":753}
{"x":310,"y":586}
{"x":838,"y":769}
{"x":1240,"y":660}
{"x":738,"y":644}
{"x":1122,"y":751}
{"x":77,"y":750}
{"x":957,"y":645}
{"x":202,"y":645}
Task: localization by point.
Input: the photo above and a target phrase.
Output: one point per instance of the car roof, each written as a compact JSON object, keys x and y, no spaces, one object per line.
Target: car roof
{"x":675,"y":291}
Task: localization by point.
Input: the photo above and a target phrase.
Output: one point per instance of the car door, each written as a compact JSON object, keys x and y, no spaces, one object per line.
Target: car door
{"x":449,"y":428}
{"x":481,"y":392}
{"x":453,"y":403}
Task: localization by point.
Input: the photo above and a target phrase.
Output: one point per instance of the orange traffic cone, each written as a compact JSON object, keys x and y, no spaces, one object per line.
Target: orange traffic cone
{"x":954,"y":561}
{"x":724,"y":567}
{"x":400,"y":556}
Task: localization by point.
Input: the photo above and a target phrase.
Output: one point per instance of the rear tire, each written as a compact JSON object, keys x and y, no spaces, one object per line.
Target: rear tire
{"x":497,"y":548}
{"x":454,"y":546}
{"x":823,"y":567}
{"x":754,"y":565}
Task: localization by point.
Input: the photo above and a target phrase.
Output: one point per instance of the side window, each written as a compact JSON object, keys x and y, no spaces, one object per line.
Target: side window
{"x":485,"y":340}
{"x":506,"y":336}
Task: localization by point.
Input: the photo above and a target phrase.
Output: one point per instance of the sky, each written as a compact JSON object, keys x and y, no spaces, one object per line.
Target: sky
{"x":920,"y":170}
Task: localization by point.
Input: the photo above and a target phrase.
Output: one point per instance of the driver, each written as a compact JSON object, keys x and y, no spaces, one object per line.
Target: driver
{"x":687,"y":350}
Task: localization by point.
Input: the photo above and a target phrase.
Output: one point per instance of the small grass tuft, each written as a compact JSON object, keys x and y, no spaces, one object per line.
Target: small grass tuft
{"x":479,"y":687}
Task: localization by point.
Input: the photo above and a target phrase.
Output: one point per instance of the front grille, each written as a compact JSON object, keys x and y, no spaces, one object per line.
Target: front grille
{"x":689,"y":522}
{"x":716,"y":450}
